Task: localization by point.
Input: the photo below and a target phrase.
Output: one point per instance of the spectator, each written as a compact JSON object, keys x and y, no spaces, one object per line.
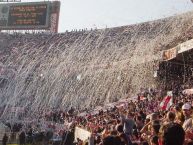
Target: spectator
{"x":170,"y":117}
{"x":179,"y":115}
{"x":155,"y":128}
{"x":124,"y":138}
{"x":111,"y":140}
{"x":128,"y":124}
{"x":186,"y":108}
{"x":173,"y":134}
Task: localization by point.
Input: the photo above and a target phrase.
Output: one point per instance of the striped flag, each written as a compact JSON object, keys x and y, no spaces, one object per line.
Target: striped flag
{"x":166,"y":103}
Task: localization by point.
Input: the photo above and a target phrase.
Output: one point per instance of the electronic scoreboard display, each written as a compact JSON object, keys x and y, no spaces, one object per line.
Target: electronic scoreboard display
{"x":25,"y":16}
{"x":10,"y":0}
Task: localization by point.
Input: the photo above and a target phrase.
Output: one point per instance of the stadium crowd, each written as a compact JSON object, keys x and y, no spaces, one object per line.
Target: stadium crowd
{"x":142,"y":122}
{"x":137,"y":121}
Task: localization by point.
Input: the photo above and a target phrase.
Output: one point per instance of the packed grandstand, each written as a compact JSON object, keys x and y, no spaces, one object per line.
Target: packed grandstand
{"x":128,"y":85}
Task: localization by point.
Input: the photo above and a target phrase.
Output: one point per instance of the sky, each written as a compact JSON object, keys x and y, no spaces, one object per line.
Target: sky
{"x":81,"y":14}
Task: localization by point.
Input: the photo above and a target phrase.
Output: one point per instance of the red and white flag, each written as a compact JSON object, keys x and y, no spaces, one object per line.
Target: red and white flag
{"x":166,"y":103}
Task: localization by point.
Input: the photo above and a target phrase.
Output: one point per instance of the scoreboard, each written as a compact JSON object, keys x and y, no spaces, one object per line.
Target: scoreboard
{"x":35,"y":15}
{"x":10,"y":0}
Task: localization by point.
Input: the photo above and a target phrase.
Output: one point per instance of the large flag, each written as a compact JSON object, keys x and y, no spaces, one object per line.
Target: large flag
{"x":166,"y":103}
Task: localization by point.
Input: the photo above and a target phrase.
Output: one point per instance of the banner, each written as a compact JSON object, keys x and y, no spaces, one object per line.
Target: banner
{"x":169,"y":54}
{"x":82,"y":134}
{"x":185,"y":46}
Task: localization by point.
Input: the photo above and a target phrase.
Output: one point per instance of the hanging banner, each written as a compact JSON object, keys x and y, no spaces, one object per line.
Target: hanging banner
{"x":169,"y":54}
{"x":188,"y":45}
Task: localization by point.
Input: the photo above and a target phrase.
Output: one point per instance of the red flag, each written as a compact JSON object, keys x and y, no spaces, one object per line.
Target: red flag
{"x":166,"y":103}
